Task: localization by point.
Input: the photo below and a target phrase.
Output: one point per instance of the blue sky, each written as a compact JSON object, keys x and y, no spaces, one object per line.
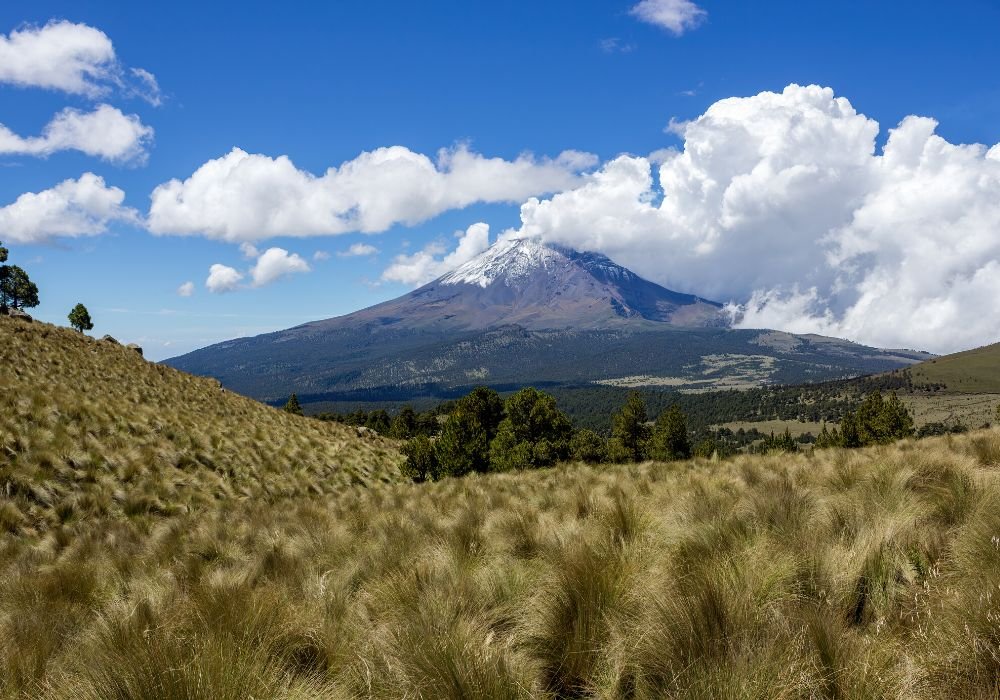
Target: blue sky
{"x":321,"y":83}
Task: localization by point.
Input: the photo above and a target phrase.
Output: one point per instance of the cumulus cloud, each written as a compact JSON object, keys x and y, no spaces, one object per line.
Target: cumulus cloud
{"x":321,"y":255}
{"x":222,"y":278}
{"x":274,"y":264}
{"x":186,"y":289}
{"x":676,"y":16}
{"x":248,"y":197}
{"x":358,"y":250}
{"x":782,"y":203}
{"x":81,"y":207}
{"x":72,"y":58}
{"x":435,"y":260}
{"x":105,"y":132}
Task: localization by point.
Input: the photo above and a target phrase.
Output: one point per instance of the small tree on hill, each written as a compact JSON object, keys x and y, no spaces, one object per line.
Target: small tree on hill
{"x":629,"y":432}
{"x":533,"y":434}
{"x":292,"y":406}
{"x":670,"y":436}
{"x":464,"y":444}
{"x":421,"y":460}
{"x":17,"y":291}
{"x":79,"y":318}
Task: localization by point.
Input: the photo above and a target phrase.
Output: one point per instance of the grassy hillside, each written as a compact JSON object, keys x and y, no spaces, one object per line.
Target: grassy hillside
{"x":971,"y":372}
{"x":88,"y":429}
{"x":161,"y":539}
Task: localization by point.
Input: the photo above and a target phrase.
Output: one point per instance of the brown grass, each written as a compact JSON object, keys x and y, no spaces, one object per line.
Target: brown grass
{"x":840,"y":574}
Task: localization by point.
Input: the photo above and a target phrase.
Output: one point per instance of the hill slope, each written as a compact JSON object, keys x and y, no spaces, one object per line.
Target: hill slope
{"x":520,"y":314}
{"x":88,"y":428}
{"x":971,"y":372}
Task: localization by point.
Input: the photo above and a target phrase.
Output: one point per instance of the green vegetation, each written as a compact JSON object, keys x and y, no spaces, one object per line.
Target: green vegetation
{"x":292,"y":406}
{"x":79,"y":319}
{"x":17,"y":291}
{"x":877,"y":421}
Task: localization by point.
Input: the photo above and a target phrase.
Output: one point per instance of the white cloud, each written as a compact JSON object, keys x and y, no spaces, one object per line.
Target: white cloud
{"x":249,"y":197}
{"x":222,"y":278}
{"x":321,"y":255}
{"x":186,"y":289}
{"x":434,"y":260}
{"x":73,"y":58}
{"x":249,"y":250}
{"x":781,"y":202}
{"x":146,"y":86}
{"x":274,"y":264}
{"x":358,"y":250}
{"x":676,"y":16}
{"x":82,"y":207}
{"x":106,"y":133}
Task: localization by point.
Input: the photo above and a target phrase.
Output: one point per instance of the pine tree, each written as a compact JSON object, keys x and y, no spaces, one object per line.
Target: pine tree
{"x":293,"y":405}
{"x":534,"y":433}
{"x":464,"y":444}
{"x":670,"y":436}
{"x":17,"y":291}
{"x":588,"y":446}
{"x":404,"y":424}
{"x":79,"y":318}
{"x":421,"y":460}
{"x":629,"y":432}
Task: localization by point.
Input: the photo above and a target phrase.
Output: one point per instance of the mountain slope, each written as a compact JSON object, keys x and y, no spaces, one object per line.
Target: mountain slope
{"x":526,"y":313}
{"x":522,"y":282}
{"x":90,"y":429}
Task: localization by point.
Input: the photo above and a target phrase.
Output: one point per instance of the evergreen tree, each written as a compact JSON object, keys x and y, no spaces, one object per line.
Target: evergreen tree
{"x":379,"y":421}
{"x":588,"y":446}
{"x":292,"y":406}
{"x":629,"y":432}
{"x":421,"y":460}
{"x":781,"y":443}
{"x":850,"y":436}
{"x":534,"y":433}
{"x":464,"y":444}
{"x":827,"y":438}
{"x":895,"y":421}
{"x":79,"y":318}
{"x":17,"y":291}
{"x":404,"y":424}
{"x":670,"y":436}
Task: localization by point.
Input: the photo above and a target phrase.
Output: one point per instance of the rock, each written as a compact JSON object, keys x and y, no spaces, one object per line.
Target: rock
{"x":18,"y":314}
{"x":364,"y":432}
{"x":133,"y":346}
{"x":110,"y":339}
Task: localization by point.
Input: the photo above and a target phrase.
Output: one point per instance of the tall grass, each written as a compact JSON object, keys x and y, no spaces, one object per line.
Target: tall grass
{"x":162,"y":558}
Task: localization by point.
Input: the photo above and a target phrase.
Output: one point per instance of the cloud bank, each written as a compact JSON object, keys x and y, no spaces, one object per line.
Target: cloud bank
{"x":249,"y":197}
{"x":105,"y":133}
{"x":781,"y":202}
{"x":81,"y":207}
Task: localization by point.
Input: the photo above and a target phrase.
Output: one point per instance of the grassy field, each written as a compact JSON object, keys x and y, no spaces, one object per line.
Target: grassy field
{"x":971,"y":372}
{"x":289,"y":563}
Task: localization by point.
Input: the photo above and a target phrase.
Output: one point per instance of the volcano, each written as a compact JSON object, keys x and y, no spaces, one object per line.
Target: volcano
{"x":521,"y":313}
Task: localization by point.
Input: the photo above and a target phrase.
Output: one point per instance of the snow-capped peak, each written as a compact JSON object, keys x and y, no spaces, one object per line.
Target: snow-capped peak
{"x":507,"y":261}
